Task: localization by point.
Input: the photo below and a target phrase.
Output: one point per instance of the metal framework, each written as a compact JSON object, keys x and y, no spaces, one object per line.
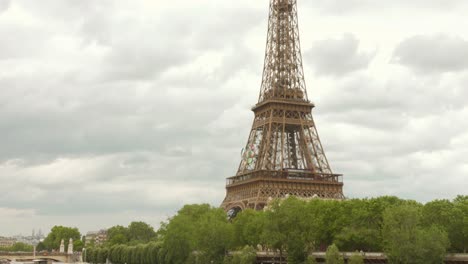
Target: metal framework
{"x":283,"y":155}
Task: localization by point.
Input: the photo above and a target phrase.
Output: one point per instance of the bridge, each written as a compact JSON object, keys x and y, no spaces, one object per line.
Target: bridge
{"x":265,"y":257}
{"x":44,"y":256}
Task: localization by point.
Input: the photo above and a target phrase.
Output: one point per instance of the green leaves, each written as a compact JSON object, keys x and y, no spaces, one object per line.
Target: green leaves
{"x":140,"y":232}
{"x":333,"y":255}
{"x":197,"y":228}
{"x":248,"y":227}
{"x":407,"y":241}
{"x":409,"y":232}
{"x":248,"y":255}
{"x":121,"y":254}
{"x":356,"y":258}
{"x":18,"y":247}
{"x":52,"y":241}
{"x":136,"y":233}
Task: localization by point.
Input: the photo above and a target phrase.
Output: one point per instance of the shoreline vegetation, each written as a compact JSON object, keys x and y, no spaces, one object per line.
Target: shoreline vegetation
{"x":405,"y":230}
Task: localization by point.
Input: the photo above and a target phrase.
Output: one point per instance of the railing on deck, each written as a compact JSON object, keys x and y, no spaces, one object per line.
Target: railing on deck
{"x":289,"y":174}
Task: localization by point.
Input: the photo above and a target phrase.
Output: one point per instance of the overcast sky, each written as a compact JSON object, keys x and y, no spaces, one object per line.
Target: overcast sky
{"x":113,"y":111}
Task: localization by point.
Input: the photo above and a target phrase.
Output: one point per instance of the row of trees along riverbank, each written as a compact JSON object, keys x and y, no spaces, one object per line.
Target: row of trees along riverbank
{"x":407,"y":231}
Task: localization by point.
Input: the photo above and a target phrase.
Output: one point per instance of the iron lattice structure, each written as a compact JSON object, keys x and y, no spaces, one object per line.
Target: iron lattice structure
{"x":283,"y":155}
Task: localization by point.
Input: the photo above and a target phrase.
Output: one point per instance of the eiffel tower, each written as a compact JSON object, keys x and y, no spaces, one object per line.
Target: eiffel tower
{"x":283,"y":155}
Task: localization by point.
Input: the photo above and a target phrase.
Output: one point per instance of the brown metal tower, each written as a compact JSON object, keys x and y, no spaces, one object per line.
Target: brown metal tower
{"x":284,"y":155}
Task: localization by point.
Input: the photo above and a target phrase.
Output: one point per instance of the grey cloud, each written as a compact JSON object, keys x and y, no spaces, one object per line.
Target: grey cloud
{"x":184,"y":41}
{"x":218,"y":24}
{"x":338,"y":57}
{"x":426,"y":95}
{"x":439,"y":53}
{"x":4,"y":5}
{"x":341,"y":7}
{"x":102,"y":108}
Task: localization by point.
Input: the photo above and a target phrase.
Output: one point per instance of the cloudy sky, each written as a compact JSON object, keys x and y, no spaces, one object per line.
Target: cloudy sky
{"x":113,"y":110}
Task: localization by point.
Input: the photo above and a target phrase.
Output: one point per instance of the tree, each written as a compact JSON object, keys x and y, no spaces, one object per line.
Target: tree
{"x":288,"y":227}
{"x":356,"y":258}
{"x":361,"y":229}
{"x":141,"y":232}
{"x":358,"y":238}
{"x":327,"y":219}
{"x":91,"y":255}
{"x":272,"y":233}
{"x":448,"y":217}
{"x":460,"y":240}
{"x":405,"y":241}
{"x":213,"y":235}
{"x":248,"y":227}
{"x":40,"y":246}
{"x":399,"y":232}
{"x":432,"y":245}
{"x":333,"y":255}
{"x":78,"y":245}
{"x":18,"y":247}
{"x":117,"y":235}
{"x":52,"y":241}
{"x":101,"y":255}
{"x":179,"y":233}
{"x":248,"y":255}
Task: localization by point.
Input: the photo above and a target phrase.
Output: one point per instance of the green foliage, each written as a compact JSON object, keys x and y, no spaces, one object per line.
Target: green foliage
{"x":78,"y":245}
{"x":356,"y":258}
{"x":406,"y":241}
{"x":409,"y":232}
{"x":213,"y":235}
{"x":302,"y":232}
{"x":40,"y":246}
{"x":141,"y":232}
{"x":199,"y":228}
{"x":248,"y":227}
{"x":333,"y":255}
{"x":289,"y":227}
{"x":361,"y":230}
{"x":358,"y":237}
{"x":311,"y":260}
{"x":247,"y":255}
{"x":121,"y":254}
{"x":52,"y":241}
{"x":459,"y":240}
{"x":18,"y":247}
{"x":117,"y":235}
{"x":449,"y":217}
{"x":432,"y":244}
{"x":136,"y":233}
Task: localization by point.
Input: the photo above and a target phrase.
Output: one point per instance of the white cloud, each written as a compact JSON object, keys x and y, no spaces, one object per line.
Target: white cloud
{"x":4,"y":5}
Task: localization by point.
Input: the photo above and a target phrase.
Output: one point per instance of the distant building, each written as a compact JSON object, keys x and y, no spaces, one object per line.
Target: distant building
{"x":7,"y":242}
{"x":96,"y":237}
{"x":34,"y":239}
